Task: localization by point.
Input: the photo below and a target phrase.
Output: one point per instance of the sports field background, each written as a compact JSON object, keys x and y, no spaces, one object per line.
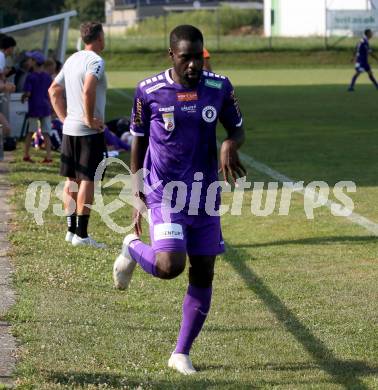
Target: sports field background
{"x":295,"y":300}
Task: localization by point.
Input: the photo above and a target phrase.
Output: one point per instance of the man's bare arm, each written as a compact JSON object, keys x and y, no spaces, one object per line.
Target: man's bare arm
{"x":89,"y":99}
{"x":138,"y":151}
{"x":56,"y":93}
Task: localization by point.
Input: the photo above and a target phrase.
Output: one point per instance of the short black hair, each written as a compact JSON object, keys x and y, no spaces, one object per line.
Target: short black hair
{"x":367,"y":31}
{"x":90,"y":31}
{"x":7,"y":42}
{"x":184,"y":32}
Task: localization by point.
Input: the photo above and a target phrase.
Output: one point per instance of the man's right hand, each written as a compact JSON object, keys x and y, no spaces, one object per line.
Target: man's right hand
{"x":9,"y":87}
{"x":139,"y":208}
{"x":95,"y":124}
{"x":137,"y":221}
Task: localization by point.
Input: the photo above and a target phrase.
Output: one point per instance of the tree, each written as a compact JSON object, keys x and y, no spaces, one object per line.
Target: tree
{"x":19,"y":11}
{"x":87,"y":9}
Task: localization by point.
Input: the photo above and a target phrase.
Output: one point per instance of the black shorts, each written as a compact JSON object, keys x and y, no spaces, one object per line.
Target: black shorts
{"x":81,"y":155}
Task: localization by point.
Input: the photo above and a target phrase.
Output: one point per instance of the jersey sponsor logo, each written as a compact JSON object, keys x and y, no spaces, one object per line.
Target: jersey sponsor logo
{"x":167,"y":109}
{"x":236,"y":103}
{"x":209,"y":114}
{"x":155,"y":88}
{"x":166,"y":231}
{"x":213,"y":83}
{"x":138,"y":113}
{"x":190,"y":109}
{"x":187,"y":96}
{"x":169,"y":121}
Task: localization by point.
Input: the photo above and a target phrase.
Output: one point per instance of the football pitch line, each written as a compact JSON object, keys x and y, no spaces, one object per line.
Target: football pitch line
{"x":358,"y":219}
{"x":122,"y":93}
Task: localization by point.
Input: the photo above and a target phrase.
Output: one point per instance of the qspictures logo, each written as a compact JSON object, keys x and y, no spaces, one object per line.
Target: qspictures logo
{"x":245,"y":199}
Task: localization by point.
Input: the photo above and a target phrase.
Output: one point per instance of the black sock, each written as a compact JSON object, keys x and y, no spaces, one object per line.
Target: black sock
{"x":71,"y":223}
{"x":82,"y":226}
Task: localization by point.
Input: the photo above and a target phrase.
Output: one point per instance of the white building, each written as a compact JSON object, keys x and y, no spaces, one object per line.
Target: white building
{"x":292,"y":18}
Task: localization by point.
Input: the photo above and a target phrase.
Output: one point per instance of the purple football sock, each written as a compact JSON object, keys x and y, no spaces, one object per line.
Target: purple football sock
{"x":194,"y":312}
{"x":144,"y":255}
{"x":353,"y":82}
{"x":373,"y":80}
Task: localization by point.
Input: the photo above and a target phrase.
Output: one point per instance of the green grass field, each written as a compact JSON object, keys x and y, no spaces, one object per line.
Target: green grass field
{"x":295,"y":300}
{"x":154,"y":36}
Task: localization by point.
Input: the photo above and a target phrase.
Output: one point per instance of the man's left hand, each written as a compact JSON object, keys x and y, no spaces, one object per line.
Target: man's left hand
{"x":230,"y":164}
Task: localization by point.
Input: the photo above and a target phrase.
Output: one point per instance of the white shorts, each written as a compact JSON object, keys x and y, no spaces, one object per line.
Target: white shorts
{"x":43,"y":122}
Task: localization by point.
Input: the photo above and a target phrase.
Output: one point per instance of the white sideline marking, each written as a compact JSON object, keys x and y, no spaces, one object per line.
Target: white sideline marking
{"x":371,"y":226}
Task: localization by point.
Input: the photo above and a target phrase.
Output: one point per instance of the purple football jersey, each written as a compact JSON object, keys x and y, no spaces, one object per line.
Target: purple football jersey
{"x":181,"y":126}
{"x":38,"y":83}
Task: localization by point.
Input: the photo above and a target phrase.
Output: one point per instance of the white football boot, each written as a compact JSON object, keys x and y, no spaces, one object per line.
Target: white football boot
{"x":88,"y":241}
{"x":124,"y":265}
{"x":69,"y":237}
{"x":181,"y":363}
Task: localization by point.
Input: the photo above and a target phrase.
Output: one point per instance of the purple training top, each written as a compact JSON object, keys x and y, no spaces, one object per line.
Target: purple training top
{"x":39,"y":102}
{"x":181,"y":126}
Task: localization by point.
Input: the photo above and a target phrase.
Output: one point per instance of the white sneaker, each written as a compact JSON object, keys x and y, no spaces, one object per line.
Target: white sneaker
{"x":89,"y":241}
{"x":69,"y":236}
{"x":181,"y":363}
{"x":124,"y":265}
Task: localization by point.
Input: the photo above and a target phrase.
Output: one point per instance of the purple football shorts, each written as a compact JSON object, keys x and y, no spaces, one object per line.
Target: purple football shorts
{"x":179,"y":232}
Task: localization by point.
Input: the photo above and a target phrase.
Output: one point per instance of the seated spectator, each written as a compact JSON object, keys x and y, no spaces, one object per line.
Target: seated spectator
{"x":56,"y":134}
{"x":115,"y":142}
{"x":118,"y":126}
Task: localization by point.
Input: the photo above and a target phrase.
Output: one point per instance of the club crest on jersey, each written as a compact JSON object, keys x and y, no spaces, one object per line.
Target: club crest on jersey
{"x":169,"y":121}
{"x":209,"y":114}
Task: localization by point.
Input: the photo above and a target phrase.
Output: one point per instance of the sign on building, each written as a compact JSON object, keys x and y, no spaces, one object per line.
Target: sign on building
{"x":352,"y":21}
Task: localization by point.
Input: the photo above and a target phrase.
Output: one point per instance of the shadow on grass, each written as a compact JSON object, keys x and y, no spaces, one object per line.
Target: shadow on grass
{"x":345,"y":373}
{"x":353,"y":365}
{"x":335,"y":240}
{"x":81,"y":379}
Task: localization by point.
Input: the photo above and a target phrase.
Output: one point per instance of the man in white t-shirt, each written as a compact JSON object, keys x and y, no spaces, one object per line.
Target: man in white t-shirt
{"x":7,"y":45}
{"x":78,"y":96}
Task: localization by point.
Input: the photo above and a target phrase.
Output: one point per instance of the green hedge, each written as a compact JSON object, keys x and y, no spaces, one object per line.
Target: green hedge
{"x":206,"y":21}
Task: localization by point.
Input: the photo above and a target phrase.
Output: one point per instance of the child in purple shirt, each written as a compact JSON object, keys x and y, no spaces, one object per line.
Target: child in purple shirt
{"x":36,"y":88}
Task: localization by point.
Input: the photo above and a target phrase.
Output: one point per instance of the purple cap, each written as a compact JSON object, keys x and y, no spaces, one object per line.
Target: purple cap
{"x":37,"y":56}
